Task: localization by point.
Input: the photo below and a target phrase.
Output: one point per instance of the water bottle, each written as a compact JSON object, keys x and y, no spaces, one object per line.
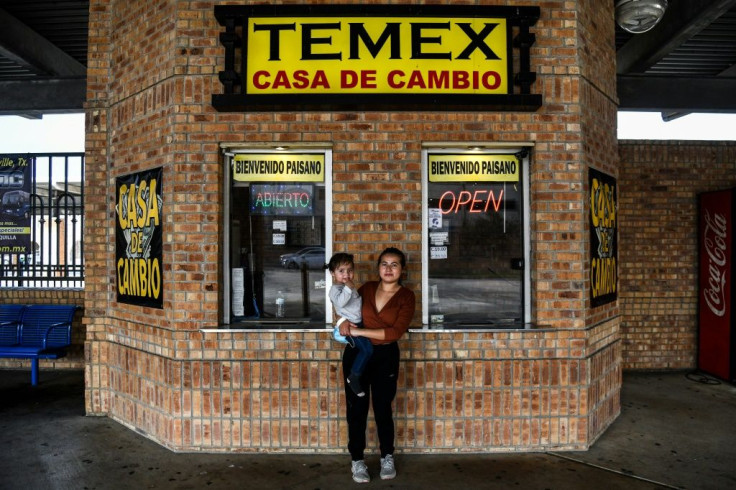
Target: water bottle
{"x":280,"y":305}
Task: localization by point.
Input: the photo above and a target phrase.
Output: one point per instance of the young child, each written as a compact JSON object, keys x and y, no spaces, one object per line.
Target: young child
{"x":348,"y":303}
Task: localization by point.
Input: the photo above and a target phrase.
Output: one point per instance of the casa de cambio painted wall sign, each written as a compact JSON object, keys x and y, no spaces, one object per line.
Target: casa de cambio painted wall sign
{"x":139,"y":238}
{"x":603,"y":232}
{"x":376,"y":56}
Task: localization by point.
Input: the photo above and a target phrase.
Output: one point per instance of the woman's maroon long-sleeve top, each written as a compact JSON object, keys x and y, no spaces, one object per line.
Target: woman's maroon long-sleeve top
{"x":395,"y":316}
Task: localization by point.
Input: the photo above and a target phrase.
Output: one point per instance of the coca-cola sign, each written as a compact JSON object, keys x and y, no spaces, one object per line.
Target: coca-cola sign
{"x":715,"y":240}
{"x":716,"y":330}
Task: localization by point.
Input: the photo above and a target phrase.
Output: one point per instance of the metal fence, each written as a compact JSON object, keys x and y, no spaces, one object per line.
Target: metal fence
{"x":56,"y":210}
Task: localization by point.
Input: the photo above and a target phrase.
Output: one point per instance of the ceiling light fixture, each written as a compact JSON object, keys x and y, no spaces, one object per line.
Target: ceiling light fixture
{"x":638,"y":16}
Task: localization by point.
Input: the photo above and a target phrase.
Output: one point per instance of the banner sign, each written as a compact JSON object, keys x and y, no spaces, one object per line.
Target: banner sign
{"x":337,"y":55}
{"x":15,"y":204}
{"x":139,"y":238}
{"x":473,"y":168}
{"x":279,"y":167}
{"x":603,"y":235}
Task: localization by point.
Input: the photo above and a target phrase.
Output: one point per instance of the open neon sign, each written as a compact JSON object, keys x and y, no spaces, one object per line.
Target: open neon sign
{"x":477,"y":201}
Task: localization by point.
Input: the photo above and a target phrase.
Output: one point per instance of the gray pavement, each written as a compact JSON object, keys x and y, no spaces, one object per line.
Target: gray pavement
{"x":675,"y":430}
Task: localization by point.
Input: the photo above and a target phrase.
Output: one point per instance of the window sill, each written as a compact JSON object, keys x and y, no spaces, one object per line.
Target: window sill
{"x":304,"y":326}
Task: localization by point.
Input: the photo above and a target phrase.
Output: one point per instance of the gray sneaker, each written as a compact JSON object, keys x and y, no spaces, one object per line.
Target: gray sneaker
{"x":388,"y":470}
{"x":360,"y":472}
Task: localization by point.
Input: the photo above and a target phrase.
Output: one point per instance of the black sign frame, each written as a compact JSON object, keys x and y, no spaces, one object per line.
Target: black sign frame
{"x":235,"y":98}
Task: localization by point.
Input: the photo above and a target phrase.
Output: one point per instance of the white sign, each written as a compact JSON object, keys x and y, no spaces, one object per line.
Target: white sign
{"x":238,"y":291}
{"x":279,"y":224}
{"x":439,"y":237}
{"x":435,"y":218}
{"x":437,"y":252}
{"x":279,"y":238}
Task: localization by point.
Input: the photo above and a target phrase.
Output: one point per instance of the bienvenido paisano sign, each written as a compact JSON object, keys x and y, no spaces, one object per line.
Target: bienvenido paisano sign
{"x":374,"y":57}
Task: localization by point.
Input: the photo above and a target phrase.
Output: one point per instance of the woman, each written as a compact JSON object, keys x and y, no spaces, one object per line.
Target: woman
{"x":388,"y":308}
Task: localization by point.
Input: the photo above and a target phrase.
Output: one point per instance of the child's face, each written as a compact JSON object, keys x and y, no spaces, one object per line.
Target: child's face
{"x":343,"y":273}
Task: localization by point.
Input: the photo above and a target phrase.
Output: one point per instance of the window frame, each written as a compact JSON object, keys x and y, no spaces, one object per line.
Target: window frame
{"x":522,"y":149}
{"x":229,"y":153}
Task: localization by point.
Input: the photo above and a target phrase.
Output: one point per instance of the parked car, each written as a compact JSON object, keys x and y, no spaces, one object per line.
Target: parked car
{"x":313,"y":257}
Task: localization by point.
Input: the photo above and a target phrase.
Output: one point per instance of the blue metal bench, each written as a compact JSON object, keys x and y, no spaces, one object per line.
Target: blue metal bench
{"x":40,"y":332}
{"x":10,"y":323}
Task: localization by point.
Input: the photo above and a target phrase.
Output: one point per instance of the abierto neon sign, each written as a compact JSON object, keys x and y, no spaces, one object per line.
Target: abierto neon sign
{"x":282,"y":199}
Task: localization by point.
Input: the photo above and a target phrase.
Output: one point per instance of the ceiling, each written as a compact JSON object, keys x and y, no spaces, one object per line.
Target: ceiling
{"x":687,"y":63}
{"x":43,"y":56}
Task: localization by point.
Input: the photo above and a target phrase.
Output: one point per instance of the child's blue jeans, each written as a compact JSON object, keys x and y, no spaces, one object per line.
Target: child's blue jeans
{"x":365,"y":351}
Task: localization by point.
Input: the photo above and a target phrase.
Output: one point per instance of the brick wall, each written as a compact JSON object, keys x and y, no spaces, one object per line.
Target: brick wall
{"x":658,"y":188}
{"x":149,"y":92}
{"x":281,"y":390}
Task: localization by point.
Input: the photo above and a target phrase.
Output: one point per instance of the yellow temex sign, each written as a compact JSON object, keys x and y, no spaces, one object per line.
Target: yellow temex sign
{"x":473,"y":168}
{"x":279,"y":167}
{"x":426,"y":57}
{"x":377,"y":55}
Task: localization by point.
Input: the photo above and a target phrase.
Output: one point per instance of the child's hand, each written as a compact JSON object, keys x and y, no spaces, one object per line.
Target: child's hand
{"x":346,"y":326}
{"x":349,"y":283}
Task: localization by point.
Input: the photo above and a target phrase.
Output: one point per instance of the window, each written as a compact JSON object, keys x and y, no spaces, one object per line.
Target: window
{"x":53,"y":206}
{"x":475,"y":239}
{"x":277,"y":237}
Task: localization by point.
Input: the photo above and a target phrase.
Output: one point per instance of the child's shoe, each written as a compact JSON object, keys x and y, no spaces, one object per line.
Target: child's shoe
{"x":354,"y":383}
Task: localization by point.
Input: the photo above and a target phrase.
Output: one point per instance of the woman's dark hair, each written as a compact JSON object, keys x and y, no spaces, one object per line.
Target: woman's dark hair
{"x":338,"y":259}
{"x":393,"y":251}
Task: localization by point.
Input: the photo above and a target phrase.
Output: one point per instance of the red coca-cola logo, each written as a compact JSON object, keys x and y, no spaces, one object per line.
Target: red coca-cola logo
{"x":714,"y":241}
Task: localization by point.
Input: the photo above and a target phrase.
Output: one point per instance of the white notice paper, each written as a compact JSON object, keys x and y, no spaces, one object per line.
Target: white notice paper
{"x":435,"y":218}
{"x":437,"y":252}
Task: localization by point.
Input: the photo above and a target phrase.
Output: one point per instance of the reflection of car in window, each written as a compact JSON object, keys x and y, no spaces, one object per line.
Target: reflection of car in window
{"x":313,"y":257}
{"x":16,"y":204}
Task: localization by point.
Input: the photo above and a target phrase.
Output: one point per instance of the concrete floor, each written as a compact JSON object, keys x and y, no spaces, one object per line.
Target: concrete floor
{"x":675,"y":431}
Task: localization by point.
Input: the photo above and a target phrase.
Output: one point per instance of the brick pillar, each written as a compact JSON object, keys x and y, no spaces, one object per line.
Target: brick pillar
{"x":97,"y":235}
{"x":598,"y":104}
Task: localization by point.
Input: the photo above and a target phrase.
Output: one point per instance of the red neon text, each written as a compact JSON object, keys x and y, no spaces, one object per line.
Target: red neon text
{"x":477,"y":202}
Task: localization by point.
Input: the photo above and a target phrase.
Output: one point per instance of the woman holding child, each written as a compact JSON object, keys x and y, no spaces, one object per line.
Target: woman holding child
{"x":387,"y":311}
